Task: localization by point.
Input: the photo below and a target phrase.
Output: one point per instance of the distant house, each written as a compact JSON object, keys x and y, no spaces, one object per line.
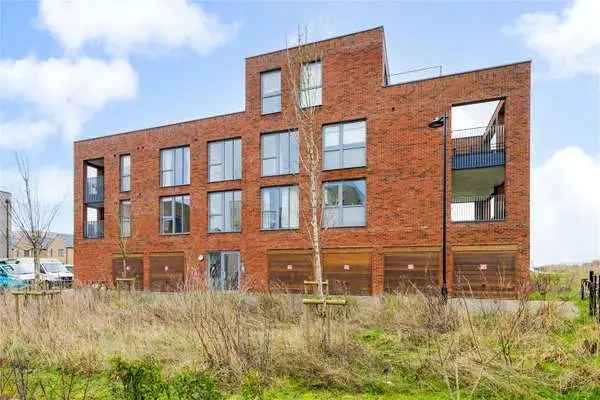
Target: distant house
{"x":5,"y":227}
{"x":59,"y":246}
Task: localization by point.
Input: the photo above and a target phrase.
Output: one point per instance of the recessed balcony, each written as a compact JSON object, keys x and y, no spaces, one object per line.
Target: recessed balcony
{"x":94,"y":189}
{"x":94,"y":229}
{"x":478,"y":208}
{"x":481,"y":147}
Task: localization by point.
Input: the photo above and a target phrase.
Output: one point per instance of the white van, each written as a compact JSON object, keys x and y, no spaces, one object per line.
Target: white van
{"x":53,"y":272}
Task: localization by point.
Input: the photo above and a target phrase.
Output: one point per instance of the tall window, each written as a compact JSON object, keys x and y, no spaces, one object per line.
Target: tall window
{"x":225,"y":160}
{"x":279,"y":153}
{"x":175,"y":166}
{"x":224,"y":270}
{"x":225,"y":211}
{"x":280,"y":207}
{"x":125,"y":167}
{"x":344,"y":145}
{"x":311,"y":84}
{"x":270,"y":90}
{"x":175,"y":214}
{"x":344,"y":203}
{"x":125,"y":217}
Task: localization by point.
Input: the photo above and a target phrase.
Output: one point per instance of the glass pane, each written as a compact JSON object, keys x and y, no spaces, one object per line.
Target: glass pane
{"x":179,"y":166}
{"x":294,"y":209}
{"x":285,"y":207}
{"x":186,"y":213}
{"x":353,"y":216}
{"x":232,"y":264}
{"x":270,"y":82}
{"x":355,"y":132}
{"x":237,"y":211}
{"x":215,"y":203}
{"x":178,"y":214}
{"x":310,"y":97}
{"x":237,"y":159}
{"x":354,"y":157}
{"x":167,"y":226}
{"x":186,"y":165}
{"x":331,"y":194}
{"x":166,"y":157}
{"x":315,"y":74}
{"x":353,"y":193}
{"x":215,"y":152}
{"x":271,"y":104}
{"x":167,"y":207}
{"x":228,"y":210}
{"x":216,"y":223}
{"x":331,"y":136}
{"x":228,"y":160}
{"x":269,"y":208}
{"x":269,"y":145}
{"x":269,"y":167}
{"x":214,"y":270}
{"x":331,"y":217}
{"x":331,"y":159}
{"x":284,"y":153}
{"x":216,"y":173}
{"x":294,"y":155}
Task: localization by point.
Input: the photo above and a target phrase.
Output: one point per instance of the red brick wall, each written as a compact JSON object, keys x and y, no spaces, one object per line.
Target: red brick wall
{"x":403,"y":171}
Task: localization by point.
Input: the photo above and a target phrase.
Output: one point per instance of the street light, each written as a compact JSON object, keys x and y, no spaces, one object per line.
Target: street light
{"x":438,"y":123}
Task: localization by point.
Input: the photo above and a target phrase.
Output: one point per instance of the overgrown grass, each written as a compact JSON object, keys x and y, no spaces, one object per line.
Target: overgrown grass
{"x":103,"y":345}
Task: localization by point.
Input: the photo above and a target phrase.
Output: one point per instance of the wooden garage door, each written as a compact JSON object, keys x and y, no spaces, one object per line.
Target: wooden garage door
{"x":167,"y":272}
{"x":135,"y":270}
{"x":482,"y":273}
{"x":411,"y":271}
{"x":347,"y":273}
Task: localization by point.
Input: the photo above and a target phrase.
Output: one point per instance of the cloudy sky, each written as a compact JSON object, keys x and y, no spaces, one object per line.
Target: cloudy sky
{"x":81,"y":69}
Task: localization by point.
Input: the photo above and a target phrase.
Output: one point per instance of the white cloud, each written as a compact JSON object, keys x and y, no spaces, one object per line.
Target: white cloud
{"x":570,"y":41}
{"x":127,"y":26}
{"x":24,"y":133}
{"x":54,"y":185}
{"x":566,"y":208}
{"x":66,"y":92}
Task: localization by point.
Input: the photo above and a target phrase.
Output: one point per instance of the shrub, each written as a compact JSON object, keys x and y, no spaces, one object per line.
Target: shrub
{"x":137,"y":380}
{"x":190,"y":385}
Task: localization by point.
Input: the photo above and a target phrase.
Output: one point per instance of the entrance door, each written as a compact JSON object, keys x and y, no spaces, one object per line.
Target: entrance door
{"x":224,"y":270}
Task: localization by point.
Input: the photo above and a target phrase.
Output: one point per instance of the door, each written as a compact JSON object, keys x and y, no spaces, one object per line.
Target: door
{"x":224,"y":270}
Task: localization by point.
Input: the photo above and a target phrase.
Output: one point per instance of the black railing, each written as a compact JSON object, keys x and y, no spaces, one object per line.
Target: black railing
{"x":94,"y":189}
{"x":478,"y":147}
{"x":478,"y":208}
{"x":94,"y":229}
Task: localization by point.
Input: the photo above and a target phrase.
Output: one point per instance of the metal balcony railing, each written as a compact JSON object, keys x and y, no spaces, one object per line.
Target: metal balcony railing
{"x":478,"y":208}
{"x":94,"y":229}
{"x":478,"y":147}
{"x":94,"y":189}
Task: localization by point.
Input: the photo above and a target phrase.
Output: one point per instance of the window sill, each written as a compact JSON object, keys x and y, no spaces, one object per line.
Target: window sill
{"x":280,"y":230}
{"x":223,"y":232}
{"x":270,"y":113}
{"x":226,"y":180}
{"x":346,"y":227}
{"x":344,"y":168}
{"x":176,"y":186}
{"x":479,"y":222}
{"x":175,"y":234}
{"x":281,"y":175}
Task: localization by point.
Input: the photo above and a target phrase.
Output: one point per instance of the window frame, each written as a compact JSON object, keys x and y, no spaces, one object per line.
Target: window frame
{"x":172,"y":218}
{"x":173,"y":167}
{"x":290,"y":171}
{"x":122,"y":218}
{"x":303,"y":90}
{"x":122,"y":176}
{"x":222,"y":143}
{"x":341,"y":148}
{"x":279,"y":203}
{"x":340,"y":206}
{"x":274,"y":94}
{"x":222,"y":213}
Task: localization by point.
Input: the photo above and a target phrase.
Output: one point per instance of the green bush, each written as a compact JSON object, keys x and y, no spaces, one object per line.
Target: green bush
{"x":137,"y":380}
{"x":190,"y":385}
{"x":252,"y":388}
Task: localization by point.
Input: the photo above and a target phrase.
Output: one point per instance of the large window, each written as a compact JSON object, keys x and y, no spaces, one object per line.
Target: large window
{"x":344,"y":203}
{"x":224,"y":270}
{"x":311,"y":84}
{"x":175,"y":214}
{"x":225,"y":160}
{"x":279,"y":153}
{"x":270,"y":89}
{"x":344,"y":145}
{"x":225,"y":211}
{"x":125,"y":218}
{"x":175,"y":166}
{"x":125,"y":168}
{"x":280,"y":207}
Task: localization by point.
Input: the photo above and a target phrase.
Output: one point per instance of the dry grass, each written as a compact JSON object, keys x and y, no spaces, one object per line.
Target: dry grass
{"x":398,"y":344}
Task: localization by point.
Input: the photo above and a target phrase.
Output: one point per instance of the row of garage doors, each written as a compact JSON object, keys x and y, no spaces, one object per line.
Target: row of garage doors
{"x":167,"y":272}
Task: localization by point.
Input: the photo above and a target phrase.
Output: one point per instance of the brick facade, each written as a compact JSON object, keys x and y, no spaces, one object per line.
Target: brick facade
{"x":403,"y":172}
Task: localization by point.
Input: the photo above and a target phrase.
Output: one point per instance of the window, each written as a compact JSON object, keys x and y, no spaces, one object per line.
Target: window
{"x":224,"y":211}
{"x":270,"y":89}
{"x":279,"y":153}
{"x":125,"y":217}
{"x":344,"y":203}
{"x":125,"y":167}
{"x":175,"y":214}
{"x":225,"y":160}
{"x":175,"y":166}
{"x":280,"y":207}
{"x":344,"y":145}
{"x":224,"y":270}
{"x":61,"y":252}
{"x":310,"y":84}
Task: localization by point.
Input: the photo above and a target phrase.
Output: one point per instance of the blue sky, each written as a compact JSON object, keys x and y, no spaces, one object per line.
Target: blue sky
{"x":180,"y":60}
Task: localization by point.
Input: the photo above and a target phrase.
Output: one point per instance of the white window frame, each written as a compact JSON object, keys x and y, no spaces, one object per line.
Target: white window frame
{"x":184,"y":167}
{"x":269,"y":95}
{"x":292,"y":190}
{"x":341,"y":147}
{"x":236,"y":165}
{"x":293,"y":166}
{"x":220,"y":197}
{"x":340,"y":206}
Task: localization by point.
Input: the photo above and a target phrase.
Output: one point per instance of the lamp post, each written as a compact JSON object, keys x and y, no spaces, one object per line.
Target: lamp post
{"x":438,"y":123}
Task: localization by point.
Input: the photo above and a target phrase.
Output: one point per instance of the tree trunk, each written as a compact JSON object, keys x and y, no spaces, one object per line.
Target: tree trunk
{"x":316,"y":235}
{"x":36,"y":267}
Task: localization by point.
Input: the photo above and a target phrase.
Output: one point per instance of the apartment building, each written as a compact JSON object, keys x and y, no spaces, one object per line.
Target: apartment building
{"x":221,"y":199}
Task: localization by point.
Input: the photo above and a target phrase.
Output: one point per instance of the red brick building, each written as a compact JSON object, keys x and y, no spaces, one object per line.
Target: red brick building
{"x":217,"y":198}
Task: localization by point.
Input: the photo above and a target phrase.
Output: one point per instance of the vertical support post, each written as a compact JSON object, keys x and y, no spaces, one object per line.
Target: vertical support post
{"x":444,"y":216}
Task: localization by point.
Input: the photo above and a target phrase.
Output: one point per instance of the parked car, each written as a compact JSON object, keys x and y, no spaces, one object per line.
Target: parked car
{"x":9,"y":279}
{"x":55,"y":274}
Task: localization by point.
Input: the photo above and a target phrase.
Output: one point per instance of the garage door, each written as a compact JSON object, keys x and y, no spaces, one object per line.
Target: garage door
{"x":482,"y":273}
{"x":411,"y":271}
{"x":288,"y":271}
{"x":167,"y":272}
{"x":134,"y":269}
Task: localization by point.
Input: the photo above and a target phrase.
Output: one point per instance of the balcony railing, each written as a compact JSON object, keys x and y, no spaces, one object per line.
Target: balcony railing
{"x":478,"y":147}
{"x":94,"y":189}
{"x":94,"y":229}
{"x":478,"y":208}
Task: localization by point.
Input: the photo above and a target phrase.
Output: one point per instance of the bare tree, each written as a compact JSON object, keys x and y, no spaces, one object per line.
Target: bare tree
{"x":31,"y":218}
{"x":123,"y":239}
{"x":304,"y":81}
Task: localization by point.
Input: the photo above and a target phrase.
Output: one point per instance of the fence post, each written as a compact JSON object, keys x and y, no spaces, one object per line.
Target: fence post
{"x":592,"y":293}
